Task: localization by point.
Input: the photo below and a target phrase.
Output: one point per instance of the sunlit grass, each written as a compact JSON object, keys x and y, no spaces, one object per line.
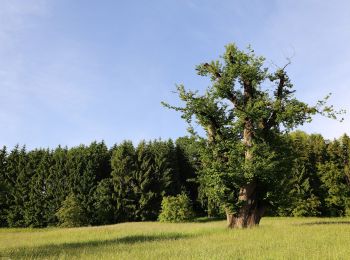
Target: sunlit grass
{"x":276,"y":238}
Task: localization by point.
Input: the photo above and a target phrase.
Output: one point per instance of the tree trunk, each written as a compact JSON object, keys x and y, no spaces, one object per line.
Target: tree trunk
{"x":251,"y":210}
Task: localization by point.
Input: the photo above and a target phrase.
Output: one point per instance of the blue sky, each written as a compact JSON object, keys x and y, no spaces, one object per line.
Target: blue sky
{"x":76,"y":71}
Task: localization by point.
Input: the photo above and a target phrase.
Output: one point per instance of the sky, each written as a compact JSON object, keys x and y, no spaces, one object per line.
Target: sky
{"x":72,"y":72}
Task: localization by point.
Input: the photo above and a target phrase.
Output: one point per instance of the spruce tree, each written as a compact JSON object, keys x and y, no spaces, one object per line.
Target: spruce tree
{"x":36,"y":204}
{"x":57,"y":184}
{"x":19,"y":179}
{"x":4,"y":188}
{"x":304,"y":201}
{"x":123,"y":166}
{"x":334,"y":178}
{"x":189,"y":164}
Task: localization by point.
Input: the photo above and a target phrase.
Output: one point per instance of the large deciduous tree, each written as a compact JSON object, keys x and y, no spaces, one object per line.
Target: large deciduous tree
{"x":245,"y":113}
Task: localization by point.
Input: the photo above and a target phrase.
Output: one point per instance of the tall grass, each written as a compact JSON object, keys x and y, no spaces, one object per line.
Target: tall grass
{"x":276,"y":238}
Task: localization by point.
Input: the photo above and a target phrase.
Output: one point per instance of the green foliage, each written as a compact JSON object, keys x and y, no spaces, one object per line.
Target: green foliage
{"x":246,"y":113}
{"x":189,"y":165}
{"x":57,"y":184}
{"x":105,"y":202}
{"x":18,"y":177}
{"x":4,"y":188}
{"x":331,"y":167}
{"x":318,"y":184}
{"x":123,"y":168}
{"x":110,"y":185}
{"x":337,"y":191}
{"x":87,"y":166}
{"x":35,"y":205}
{"x":304,"y":194}
{"x":176,"y":209}
{"x":71,"y":213}
{"x":304,"y":175}
{"x":141,"y":177}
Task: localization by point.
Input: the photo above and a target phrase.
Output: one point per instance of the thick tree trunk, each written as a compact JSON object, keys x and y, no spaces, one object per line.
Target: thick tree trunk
{"x":248,"y":221}
{"x":251,"y":211}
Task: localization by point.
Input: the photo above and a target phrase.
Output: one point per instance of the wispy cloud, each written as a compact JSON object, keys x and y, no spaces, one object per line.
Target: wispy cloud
{"x":318,"y":33}
{"x":15,"y":18}
{"x":40,"y":79}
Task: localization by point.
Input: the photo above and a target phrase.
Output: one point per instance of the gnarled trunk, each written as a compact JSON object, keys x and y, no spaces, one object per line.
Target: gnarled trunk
{"x":251,"y":211}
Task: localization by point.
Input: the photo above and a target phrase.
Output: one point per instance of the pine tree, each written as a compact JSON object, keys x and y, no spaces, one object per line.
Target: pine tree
{"x":156,"y":176}
{"x":124,"y":166}
{"x":304,"y":201}
{"x":334,"y":178}
{"x":4,"y":188}
{"x":19,"y":179}
{"x":189,"y":164}
{"x":35,"y":207}
{"x":57,"y":184}
{"x":146,"y":184}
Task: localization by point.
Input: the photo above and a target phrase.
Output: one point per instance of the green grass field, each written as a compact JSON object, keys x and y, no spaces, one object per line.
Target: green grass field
{"x":276,"y":238}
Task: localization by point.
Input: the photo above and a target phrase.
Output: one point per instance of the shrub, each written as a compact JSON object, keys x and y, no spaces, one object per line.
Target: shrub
{"x":176,"y":209}
{"x":71,"y":214}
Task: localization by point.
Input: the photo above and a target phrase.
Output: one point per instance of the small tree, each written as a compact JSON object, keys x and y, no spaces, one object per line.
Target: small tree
{"x":176,"y":209}
{"x":71,"y":214}
{"x":105,"y":203}
{"x":245,"y":121}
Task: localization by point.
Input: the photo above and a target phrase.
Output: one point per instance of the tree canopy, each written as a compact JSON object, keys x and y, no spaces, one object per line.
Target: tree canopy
{"x":246,"y":113}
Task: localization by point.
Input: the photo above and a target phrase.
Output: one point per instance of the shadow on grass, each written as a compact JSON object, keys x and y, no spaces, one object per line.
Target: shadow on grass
{"x":206,"y":219}
{"x":325,"y":223}
{"x":76,"y":248}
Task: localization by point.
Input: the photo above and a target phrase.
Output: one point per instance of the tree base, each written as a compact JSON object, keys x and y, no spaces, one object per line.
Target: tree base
{"x":242,"y":221}
{"x":251,"y":211}
{"x":248,"y":216}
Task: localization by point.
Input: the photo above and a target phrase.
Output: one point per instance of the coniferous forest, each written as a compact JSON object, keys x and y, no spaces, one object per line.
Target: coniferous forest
{"x":97,"y":185}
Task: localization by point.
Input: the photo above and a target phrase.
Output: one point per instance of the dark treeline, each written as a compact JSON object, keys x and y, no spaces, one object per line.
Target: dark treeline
{"x":319,"y":180}
{"x":127,"y":183}
{"x":124,"y":183}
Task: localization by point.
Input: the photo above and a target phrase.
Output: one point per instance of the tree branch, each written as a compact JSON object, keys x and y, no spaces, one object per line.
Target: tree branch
{"x":281,"y":75}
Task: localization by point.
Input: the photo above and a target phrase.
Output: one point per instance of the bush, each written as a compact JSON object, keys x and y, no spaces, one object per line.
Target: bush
{"x":71,"y":214}
{"x":176,"y":209}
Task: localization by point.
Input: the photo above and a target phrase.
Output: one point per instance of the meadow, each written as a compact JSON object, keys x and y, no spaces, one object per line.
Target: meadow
{"x":275,"y":238}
